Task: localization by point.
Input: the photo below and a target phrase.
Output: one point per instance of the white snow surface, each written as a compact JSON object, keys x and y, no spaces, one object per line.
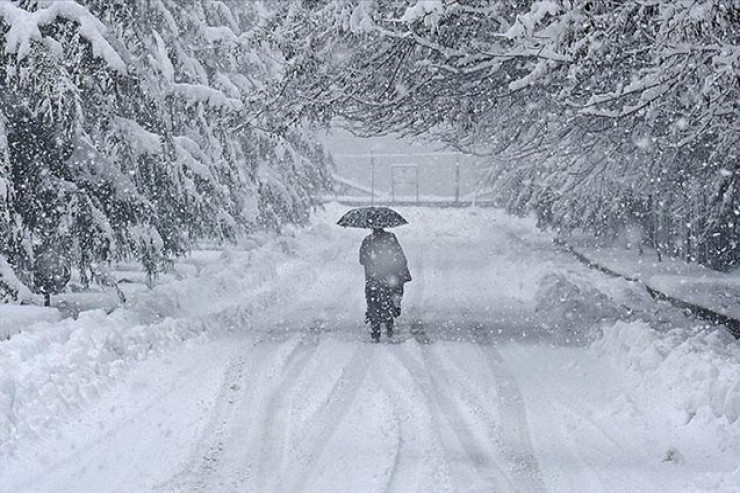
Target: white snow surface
{"x":16,"y":318}
{"x":692,"y":283}
{"x":514,"y":368}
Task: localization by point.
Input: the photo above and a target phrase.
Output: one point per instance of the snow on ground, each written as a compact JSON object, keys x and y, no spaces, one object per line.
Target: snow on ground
{"x":51,"y":370}
{"x":15,"y":318}
{"x":514,"y":368}
{"x":717,"y":291}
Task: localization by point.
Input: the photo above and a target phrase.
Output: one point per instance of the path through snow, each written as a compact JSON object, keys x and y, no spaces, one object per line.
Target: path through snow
{"x":470,"y":395}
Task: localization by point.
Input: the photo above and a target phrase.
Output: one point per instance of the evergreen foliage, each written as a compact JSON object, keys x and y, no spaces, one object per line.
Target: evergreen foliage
{"x":133,"y":128}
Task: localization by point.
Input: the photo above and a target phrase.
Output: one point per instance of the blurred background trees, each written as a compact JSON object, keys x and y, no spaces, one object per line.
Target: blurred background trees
{"x":596,"y":114}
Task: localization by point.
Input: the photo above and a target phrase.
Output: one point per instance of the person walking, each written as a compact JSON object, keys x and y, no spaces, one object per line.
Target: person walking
{"x":386,"y":269}
{"x":386,"y":272}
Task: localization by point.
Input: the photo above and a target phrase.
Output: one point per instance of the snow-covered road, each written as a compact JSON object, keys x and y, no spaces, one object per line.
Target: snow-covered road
{"x":472,"y":394}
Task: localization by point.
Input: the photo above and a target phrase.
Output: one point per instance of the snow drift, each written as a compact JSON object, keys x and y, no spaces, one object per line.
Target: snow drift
{"x":698,"y":370}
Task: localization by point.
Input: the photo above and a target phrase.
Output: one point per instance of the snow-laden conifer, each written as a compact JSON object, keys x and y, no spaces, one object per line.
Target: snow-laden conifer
{"x":132,"y":128}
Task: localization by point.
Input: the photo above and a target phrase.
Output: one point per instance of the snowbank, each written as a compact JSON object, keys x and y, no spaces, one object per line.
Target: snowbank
{"x":49,"y":372}
{"x":569,"y":307}
{"x":55,"y":368}
{"x":698,"y":371}
{"x":716,"y":291}
{"x":16,"y":318}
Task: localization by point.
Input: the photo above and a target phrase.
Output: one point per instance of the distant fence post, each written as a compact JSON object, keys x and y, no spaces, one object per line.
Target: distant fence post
{"x":457,"y":182}
{"x":417,"y":185}
{"x":372,"y":177}
{"x":393,"y":190}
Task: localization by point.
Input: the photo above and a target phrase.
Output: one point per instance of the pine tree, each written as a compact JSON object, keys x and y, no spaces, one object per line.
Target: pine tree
{"x":131,"y":129}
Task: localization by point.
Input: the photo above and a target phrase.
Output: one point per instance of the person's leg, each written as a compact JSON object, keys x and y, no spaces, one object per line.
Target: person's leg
{"x":387,"y":309}
{"x":373,"y":314}
{"x":375,"y":333}
{"x":386,"y":302}
{"x":397,"y":297}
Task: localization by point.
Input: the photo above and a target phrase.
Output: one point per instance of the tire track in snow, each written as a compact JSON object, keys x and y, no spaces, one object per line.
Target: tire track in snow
{"x":398,"y":452}
{"x":417,"y":296}
{"x":272,"y":466}
{"x":573,"y":430}
{"x":205,"y":470}
{"x":445,"y":411}
{"x":573,"y":434}
{"x":516,"y":438}
{"x":439,"y":401}
{"x":331,"y":413}
{"x":409,"y":430}
{"x":200,"y":467}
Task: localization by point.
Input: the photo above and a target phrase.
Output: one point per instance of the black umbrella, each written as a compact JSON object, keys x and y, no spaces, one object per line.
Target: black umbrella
{"x":372,"y":217}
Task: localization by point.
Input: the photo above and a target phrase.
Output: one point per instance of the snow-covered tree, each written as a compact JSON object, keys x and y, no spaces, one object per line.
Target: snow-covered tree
{"x":131,"y":128}
{"x":595,"y":112}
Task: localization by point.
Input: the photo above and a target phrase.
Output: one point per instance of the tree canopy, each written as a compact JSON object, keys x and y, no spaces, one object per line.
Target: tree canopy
{"x":594,"y":112}
{"x":136,"y":127}
{"x":133,"y":128}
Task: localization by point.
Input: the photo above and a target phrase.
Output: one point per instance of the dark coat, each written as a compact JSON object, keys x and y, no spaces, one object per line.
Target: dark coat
{"x":383,"y":258}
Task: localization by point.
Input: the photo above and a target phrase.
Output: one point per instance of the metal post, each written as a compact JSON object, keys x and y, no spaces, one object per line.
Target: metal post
{"x":372,"y":178}
{"x":393,"y":184}
{"x":457,"y":182}
{"x":417,"y":184}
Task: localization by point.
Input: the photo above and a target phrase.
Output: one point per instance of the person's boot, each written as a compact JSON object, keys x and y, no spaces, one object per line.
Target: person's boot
{"x":375,"y":334}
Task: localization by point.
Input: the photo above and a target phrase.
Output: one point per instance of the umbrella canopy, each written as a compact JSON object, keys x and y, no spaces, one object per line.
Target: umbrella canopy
{"x":372,"y":217}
